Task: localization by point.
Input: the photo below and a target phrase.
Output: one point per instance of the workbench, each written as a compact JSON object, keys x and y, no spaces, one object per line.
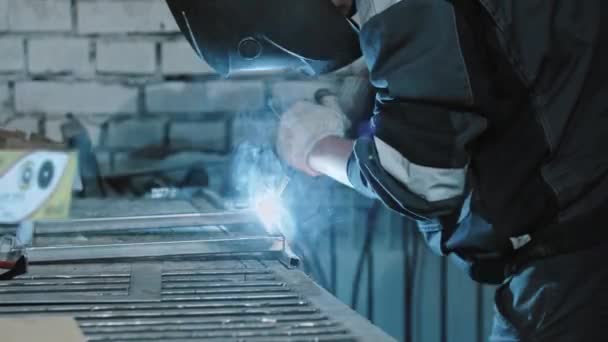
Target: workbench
{"x":212,"y":277}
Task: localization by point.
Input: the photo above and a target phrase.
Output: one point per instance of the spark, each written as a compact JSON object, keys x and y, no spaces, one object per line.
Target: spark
{"x":270,"y":209}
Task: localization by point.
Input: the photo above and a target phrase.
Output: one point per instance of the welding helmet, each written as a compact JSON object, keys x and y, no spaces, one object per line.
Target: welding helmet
{"x":235,"y":36}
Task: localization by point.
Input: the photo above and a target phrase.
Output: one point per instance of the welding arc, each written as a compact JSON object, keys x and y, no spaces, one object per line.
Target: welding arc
{"x":365,"y":252}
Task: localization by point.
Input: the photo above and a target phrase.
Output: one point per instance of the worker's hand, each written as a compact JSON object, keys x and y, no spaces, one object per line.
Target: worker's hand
{"x":302,"y":127}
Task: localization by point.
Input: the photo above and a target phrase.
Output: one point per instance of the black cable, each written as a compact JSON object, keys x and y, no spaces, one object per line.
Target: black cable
{"x":443,"y":299}
{"x":371,"y":219}
{"x":418,"y":309}
{"x":407,"y":285}
{"x":415,"y":267}
{"x":407,"y":308}
{"x":302,"y":245}
{"x":370,"y":281}
{"x":480,"y":318}
{"x":333,"y":259}
{"x":410,"y":259}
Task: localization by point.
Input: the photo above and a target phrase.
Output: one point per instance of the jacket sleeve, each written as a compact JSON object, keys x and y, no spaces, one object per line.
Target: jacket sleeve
{"x":417,"y":159}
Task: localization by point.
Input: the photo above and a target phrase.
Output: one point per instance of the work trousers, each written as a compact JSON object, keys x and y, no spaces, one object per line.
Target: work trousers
{"x":558,"y":299}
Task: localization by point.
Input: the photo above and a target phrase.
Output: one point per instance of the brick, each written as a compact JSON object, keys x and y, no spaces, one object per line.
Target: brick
{"x":213,"y":96}
{"x":135,"y":133}
{"x":3,"y":15}
{"x":12,"y":55}
{"x":77,"y":98}
{"x":211,"y":136}
{"x":94,"y":126}
{"x":125,"y":16}
{"x":286,"y":93}
{"x":40,"y":15}
{"x":237,"y":96}
{"x":175,"y":97}
{"x":27,"y":125}
{"x":126,"y":57}
{"x":178,"y":58}
{"x":59,"y":55}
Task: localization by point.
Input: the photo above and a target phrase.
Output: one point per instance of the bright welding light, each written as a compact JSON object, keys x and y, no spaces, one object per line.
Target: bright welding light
{"x":269,"y":209}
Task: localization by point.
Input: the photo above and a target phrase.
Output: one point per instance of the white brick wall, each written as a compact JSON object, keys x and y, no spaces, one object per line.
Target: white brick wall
{"x":242,"y":96}
{"x":175,"y":97}
{"x":3,"y":15}
{"x":212,"y":96}
{"x":59,"y":55}
{"x":126,"y":57}
{"x":40,"y":15}
{"x":124,"y":16}
{"x":12,"y":57}
{"x":136,"y":133}
{"x":76,"y":98}
{"x":4,"y":95}
{"x":129,"y":75}
{"x":179,"y":59}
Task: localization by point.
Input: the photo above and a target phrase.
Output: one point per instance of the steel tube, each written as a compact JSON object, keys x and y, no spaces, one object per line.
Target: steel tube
{"x":105,"y":225}
{"x":157,"y":249}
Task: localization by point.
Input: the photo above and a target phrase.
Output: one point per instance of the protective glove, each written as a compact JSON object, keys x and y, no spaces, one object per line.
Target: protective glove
{"x":303,"y":126}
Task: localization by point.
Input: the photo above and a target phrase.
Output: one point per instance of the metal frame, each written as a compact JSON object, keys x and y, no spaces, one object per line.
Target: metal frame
{"x":113,"y":224}
{"x":237,"y":245}
{"x":217,"y":246}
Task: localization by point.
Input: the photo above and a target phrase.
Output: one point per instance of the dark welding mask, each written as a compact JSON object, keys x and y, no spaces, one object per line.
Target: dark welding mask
{"x":236,"y":36}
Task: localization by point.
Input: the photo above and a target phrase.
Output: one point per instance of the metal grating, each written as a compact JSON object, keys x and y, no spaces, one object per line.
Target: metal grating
{"x":205,"y":276}
{"x":210,"y":305}
{"x":137,"y":283}
{"x":103,"y":284}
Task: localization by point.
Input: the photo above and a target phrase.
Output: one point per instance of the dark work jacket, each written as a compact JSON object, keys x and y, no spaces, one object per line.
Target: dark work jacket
{"x":489,"y":119}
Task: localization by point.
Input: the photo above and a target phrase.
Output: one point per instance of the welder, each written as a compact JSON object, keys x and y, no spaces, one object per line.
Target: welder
{"x":489,"y":129}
